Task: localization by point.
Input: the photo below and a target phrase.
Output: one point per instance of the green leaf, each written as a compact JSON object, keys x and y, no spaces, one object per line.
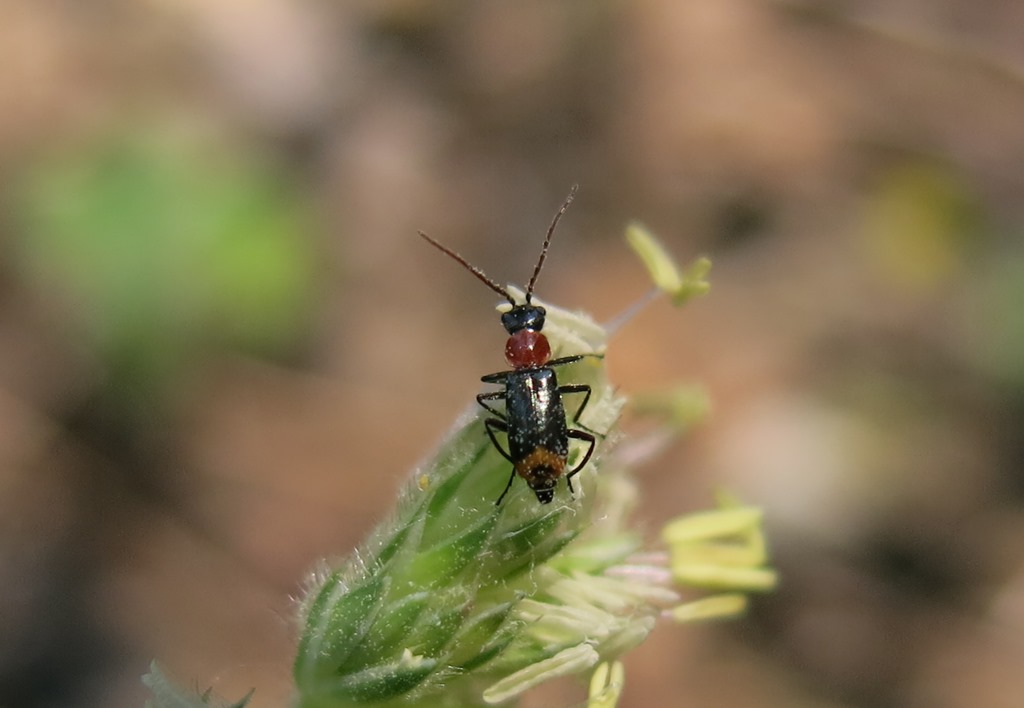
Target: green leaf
{"x":377,"y":683}
{"x":389,"y":635}
{"x":442,"y":562}
{"x":337,"y":621}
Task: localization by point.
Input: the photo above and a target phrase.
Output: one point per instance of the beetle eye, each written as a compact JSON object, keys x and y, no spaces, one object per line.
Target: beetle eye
{"x":520,"y":317}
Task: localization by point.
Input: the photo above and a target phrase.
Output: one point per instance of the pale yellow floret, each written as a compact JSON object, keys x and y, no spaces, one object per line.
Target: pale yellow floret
{"x":606,"y":685}
{"x":723,"y":549}
{"x":565,"y":663}
{"x":709,"y":608}
{"x":664,"y":271}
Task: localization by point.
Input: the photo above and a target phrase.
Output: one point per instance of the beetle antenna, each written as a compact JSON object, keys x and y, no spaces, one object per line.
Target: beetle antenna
{"x":471,"y":268}
{"x":547,"y":242}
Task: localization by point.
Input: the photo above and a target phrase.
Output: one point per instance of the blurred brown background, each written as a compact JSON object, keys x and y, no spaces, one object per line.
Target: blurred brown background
{"x":222,"y":344}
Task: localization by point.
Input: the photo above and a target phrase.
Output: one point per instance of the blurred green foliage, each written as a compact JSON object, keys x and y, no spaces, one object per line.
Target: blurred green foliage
{"x":164,"y":245}
{"x":994,"y":321}
{"x":920,"y":223}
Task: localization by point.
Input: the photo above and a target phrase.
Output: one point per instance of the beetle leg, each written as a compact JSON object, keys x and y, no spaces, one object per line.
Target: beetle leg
{"x":580,"y":388}
{"x":496,"y":378}
{"x":574,"y":358}
{"x":492,"y":424}
{"x":508,"y":486}
{"x":493,"y":396}
{"x":585,"y":437}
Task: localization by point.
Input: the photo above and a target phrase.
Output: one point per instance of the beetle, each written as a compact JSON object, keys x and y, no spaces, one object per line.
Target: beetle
{"x":534,"y":419}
